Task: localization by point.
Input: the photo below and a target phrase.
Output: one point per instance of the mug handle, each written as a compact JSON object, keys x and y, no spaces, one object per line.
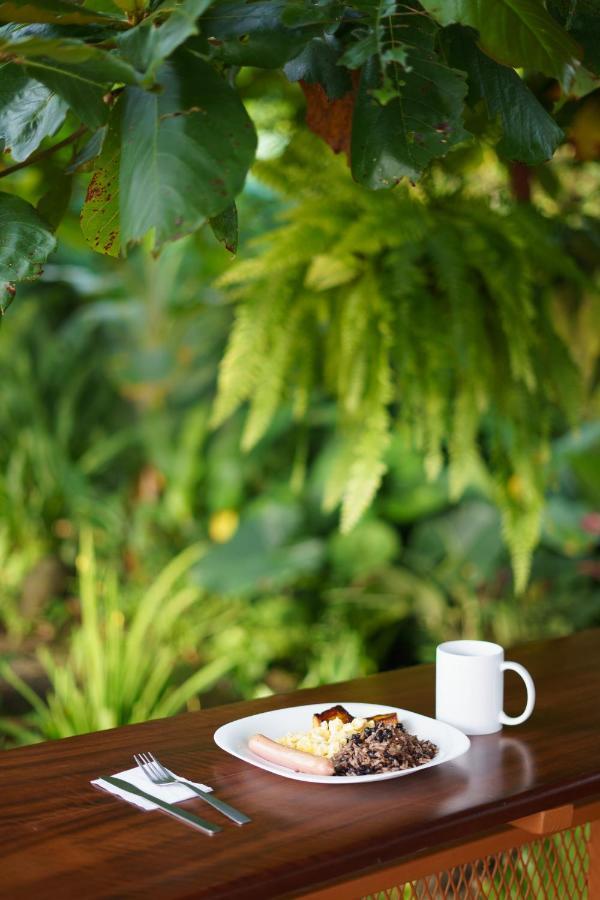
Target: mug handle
{"x":522,"y":671}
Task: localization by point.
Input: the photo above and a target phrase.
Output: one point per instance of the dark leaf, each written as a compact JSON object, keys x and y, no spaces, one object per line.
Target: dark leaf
{"x":84,"y":97}
{"x":148,"y":44}
{"x":582,"y":20}
{"x":55,"y":202}
{"x":58,"y":12}
{"x":78,"y":72}
{"x":225,"y":228}
{"x":29,"y":112}
{"x":254,"y":34}
{"x":357,"y":53}
{"x":529,"y":133}
{"x":424,"y":122}
{"x":25,"y":240}
{"x":185,"y":151}
{"x":298,"y":12}
{"x":89,"y":151}
{"x":514,"y":34}
{"x":318,"y":62}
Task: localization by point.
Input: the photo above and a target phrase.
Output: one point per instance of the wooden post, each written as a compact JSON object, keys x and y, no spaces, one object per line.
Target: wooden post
{"x":547,"y":821}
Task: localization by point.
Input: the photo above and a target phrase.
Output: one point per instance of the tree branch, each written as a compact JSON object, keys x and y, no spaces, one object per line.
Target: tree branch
{"x":44,"y":153}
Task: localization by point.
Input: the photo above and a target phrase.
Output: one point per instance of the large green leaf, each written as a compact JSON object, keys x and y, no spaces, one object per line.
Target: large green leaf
{"x":254,"y":34}
{"x":68,"y":55}
{"x":581,"y":18}
{"x":100,"y":214}
{"x":529,"y":133}
{"x":423,"y":122}
{"x":29,"y":112}
{"x":266,"y":553}
{"x":514,"y":32}
{"x":185,"y":151}
{"x":78,"y":72}
{"x":57,"y":12}
{"x":148,"y":44}
{"x":25,"y":240}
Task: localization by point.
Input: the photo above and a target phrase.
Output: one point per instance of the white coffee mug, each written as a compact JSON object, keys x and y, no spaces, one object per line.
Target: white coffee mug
{"x":469,"y":692}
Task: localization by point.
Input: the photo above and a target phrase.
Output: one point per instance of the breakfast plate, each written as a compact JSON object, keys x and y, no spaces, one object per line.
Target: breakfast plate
{"x":234,"y":736}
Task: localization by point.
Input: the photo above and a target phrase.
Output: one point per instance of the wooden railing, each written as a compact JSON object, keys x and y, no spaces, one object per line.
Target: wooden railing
{"x":550,"y":855}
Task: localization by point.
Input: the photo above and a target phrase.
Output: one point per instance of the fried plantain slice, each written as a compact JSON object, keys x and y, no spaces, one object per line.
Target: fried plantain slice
{"x":386,"y":718}
{"x":334,"y":712}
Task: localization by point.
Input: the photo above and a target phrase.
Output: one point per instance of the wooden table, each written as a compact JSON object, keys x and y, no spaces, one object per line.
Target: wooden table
{"x":61,"y":838}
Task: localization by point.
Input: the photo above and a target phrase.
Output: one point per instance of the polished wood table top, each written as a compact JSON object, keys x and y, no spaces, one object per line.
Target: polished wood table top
{"x":60,"y":837}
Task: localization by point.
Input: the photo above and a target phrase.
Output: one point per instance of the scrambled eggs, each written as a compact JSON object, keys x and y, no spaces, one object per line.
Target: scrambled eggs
{"x":325,"y":739}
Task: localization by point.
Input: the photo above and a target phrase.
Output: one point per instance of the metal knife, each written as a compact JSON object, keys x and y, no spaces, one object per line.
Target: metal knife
{"x":177,"y":813}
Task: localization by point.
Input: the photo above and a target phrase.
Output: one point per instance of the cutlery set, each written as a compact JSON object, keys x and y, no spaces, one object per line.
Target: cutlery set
{"x":157,"y":774}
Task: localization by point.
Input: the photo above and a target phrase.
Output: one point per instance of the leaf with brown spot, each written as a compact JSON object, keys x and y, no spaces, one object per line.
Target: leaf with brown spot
{"x":100,"y":222}
{"x":176,"y":171}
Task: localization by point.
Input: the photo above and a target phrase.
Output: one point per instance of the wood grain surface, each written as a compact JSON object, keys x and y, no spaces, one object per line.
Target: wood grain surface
{"x":60,"y":837}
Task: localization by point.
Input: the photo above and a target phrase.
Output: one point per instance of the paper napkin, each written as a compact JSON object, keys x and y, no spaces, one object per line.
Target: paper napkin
{"x":170,"y":793}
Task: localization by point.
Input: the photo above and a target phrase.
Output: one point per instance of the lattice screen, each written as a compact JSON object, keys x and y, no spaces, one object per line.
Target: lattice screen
{"x":552,"y":868}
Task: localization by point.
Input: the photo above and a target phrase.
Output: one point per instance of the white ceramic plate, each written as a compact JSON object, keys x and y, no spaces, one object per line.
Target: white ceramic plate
{"x":233,"y":737}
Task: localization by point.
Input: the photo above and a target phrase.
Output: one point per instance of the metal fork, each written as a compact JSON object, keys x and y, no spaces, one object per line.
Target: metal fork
{"x":158,"y":774}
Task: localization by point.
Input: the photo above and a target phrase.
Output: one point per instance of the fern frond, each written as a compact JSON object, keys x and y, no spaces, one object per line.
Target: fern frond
{"x":273,"y":369}
{"x":429,"y":315}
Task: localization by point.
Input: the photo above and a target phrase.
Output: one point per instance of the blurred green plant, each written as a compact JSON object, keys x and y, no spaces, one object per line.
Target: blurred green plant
{"x":124,"y":659}
{"x":429,"y":315}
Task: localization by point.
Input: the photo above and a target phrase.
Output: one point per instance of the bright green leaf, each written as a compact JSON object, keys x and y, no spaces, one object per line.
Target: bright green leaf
{"x":529,"y":133}
{"x":515,"y":33}
{"x":100,"y":214}
{"x":185,"y":151}
{"x":25,"y":240}
{"x":326,"y":271}
{"x":423,"y":122}
{"x":584,"y":83}
{"x":396,"y":54}
{"x":29,"y":112}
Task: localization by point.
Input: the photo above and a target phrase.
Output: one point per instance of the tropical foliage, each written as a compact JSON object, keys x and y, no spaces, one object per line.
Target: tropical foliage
{"x":428,"y":315}
{"x":144,"y":94}
{"x":410,"y":336}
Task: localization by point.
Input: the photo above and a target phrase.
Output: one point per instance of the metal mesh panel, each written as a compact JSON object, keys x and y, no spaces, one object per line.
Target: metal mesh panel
{"x":551,"y":868}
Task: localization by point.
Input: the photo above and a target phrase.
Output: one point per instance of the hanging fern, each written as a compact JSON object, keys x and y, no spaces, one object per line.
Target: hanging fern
{"x":428,"y":315}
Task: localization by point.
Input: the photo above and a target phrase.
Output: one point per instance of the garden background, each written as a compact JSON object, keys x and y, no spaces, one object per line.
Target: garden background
{"x":166,"y":542}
